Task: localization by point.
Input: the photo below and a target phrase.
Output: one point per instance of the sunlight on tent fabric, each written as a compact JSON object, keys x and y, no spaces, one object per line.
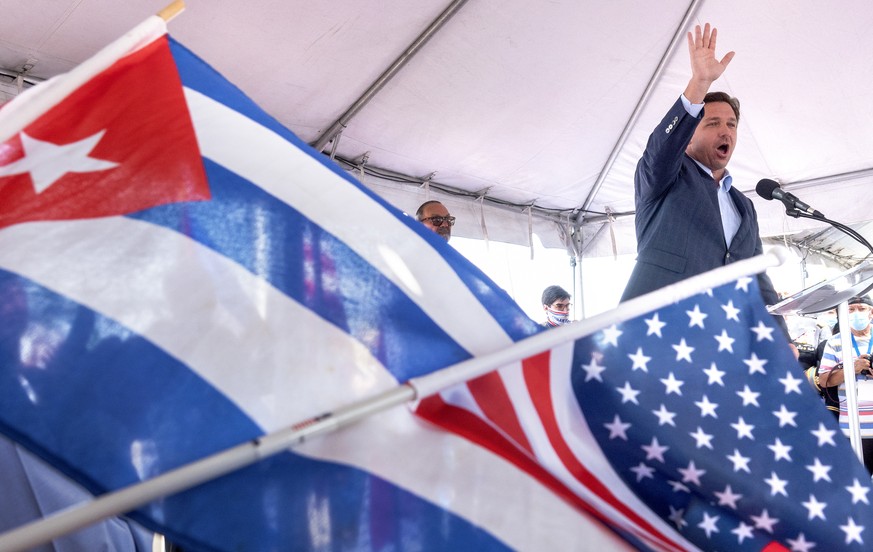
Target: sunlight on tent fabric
{"x":511,"y":267}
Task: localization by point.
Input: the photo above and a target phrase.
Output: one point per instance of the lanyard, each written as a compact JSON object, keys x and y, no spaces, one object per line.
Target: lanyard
{"x":855,"y":345}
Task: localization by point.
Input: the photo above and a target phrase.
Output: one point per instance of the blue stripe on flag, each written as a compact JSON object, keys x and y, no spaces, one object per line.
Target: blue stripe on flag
{"x":263,"y":234}
{"x":199,"y":76}
{"x":135,"y":390}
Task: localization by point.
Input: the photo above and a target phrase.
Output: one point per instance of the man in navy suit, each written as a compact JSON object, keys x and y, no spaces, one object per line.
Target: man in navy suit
{"x":689,"y":218}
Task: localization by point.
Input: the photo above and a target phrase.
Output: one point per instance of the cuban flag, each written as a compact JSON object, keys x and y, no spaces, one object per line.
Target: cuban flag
{"x":180,"y":274}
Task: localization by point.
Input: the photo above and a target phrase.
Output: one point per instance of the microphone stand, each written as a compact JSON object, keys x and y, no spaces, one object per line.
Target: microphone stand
{"x":796,"y":213}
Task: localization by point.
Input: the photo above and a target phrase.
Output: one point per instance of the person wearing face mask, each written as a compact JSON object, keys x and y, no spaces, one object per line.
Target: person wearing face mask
{"x":556,"y":303}
{"x":826,"y":327}
{"x":832,"y":372}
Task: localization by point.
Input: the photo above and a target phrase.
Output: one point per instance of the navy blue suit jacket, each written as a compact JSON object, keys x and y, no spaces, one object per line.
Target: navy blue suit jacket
{"x":678,"y":222}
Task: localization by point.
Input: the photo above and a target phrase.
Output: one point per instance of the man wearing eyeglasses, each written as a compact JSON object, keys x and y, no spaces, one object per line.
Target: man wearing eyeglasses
{"x":435,"y":216}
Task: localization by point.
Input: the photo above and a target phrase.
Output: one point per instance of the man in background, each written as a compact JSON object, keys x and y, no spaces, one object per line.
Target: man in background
{"x":435,"y":216}
{"x":832,"y":373}
{"x":556,"y":303}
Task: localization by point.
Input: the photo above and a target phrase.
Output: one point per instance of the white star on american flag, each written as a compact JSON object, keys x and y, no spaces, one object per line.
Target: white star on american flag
{"x":780,"y":451}
{"x":800,"y":544}
{"x":691,"y":474}
{"x":611,"y":335}
{"x":756,"y":365}
{"x":819,"y":471}
{"x":743,"y":283}
{"x":859,"y":492}
{"x":815,"y":508}
{"x":696,"y":317}
{"x":643,"y":471}
{"x":655,"y":325}
{"x":852,"y":531}
{"x":740,"y":462}
{"x":617,"y":428}
{"x":742,"y":532}
{"x":748,"y":396}
{"x":672,"y":385}
{"x":683,"y":351}
{"x":703,"y":439}
{"x":728,"y":497}
{"x":791,"y":383}
{"x":655,"y":451}
{"x":678,"y":487}
{"x":628,"y":393}
{"x":764,"y":521}
{"x":640,"y":360}
{"x":763,"y":331}
{"x":725,"y":342}
{"x":708,"y":524}
{"x":706,"y":407}
{"x":664,"y":416}
{"x":777,"y":485}
{"x":677,"y":517}
{"x":743,"y":429}
{"x":824,"y":435}
{"x":785,"y":416}
{"x":731,"y":311}
{"x":593,"y":370}
{"x":714,"y":375}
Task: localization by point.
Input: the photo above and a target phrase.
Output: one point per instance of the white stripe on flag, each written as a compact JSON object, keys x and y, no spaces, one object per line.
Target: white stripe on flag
{"x":589,"y":455}
{"x":253,"y":343}
{"x":266,"y":159}
{"x":571,"y":423}
{"x":462,"y":477}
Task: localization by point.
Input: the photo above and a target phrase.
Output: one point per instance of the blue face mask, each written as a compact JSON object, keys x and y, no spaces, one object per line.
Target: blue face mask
{"x":859,"y":321}
{"x":827,"y":321}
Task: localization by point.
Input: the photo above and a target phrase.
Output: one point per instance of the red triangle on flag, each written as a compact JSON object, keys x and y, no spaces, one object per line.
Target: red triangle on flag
{"x":121,"y":143}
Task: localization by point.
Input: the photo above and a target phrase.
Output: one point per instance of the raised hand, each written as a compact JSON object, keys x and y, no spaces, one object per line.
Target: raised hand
{"x":705,"y":67}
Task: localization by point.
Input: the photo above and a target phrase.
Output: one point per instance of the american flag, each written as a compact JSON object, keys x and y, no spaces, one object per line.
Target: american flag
{"x":688,"y":428}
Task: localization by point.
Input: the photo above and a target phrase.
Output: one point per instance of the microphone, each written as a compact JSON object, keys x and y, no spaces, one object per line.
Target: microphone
{"x":769,"y":189}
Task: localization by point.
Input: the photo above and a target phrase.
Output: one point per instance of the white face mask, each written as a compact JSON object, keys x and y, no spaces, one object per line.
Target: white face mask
{"x":859,"y":321}
{"x":556,"y":318}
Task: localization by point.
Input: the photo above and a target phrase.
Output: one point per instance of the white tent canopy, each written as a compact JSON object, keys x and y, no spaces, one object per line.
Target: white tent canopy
{"x":532,"y":114}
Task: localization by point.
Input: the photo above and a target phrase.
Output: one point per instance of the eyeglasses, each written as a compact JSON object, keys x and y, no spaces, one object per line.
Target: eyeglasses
{"x":438,"y":221}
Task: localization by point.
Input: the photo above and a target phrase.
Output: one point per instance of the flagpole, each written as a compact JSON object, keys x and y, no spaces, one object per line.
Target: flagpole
{"x":172,"y":10}
{"x":222,"y":463}
{"x":25,"y":108}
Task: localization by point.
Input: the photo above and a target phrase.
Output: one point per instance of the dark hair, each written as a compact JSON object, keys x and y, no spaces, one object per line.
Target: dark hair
{"x":726,"y":98}
{"x":421,"y":207}
{"x":553,"y":293}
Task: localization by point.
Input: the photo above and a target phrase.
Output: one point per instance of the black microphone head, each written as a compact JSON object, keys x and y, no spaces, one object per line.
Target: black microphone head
{"x":765,"y":188}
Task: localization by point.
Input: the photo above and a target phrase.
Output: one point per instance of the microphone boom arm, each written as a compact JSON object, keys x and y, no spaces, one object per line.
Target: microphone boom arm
{"x":797,"y":213}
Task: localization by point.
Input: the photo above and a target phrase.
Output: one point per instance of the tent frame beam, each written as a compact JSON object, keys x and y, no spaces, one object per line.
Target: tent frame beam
{"x":388,"y":74}
{"x":638,"y":109}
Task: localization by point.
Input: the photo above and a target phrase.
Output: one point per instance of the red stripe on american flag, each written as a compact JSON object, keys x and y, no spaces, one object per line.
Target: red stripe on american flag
{"x":494,"y":401}
{"x":537,"y":374}
{"x":470,"y":426}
